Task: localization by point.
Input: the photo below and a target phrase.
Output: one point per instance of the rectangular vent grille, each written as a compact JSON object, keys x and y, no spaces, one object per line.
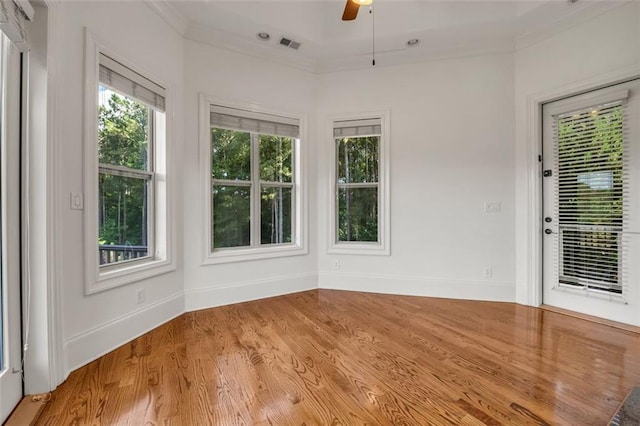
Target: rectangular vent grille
{"x":289,"y":43}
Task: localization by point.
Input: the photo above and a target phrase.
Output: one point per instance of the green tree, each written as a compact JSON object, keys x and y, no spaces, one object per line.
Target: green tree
{"x":231,"y":171}
{"x":358,"y":162}
{"x":122,"y":141}
{"x":231,"y":161}
{"x":591,"y":168}
{"x":276,"y":167}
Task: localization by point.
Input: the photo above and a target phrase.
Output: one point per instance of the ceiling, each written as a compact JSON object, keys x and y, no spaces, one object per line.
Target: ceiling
{"x":444,"y":28}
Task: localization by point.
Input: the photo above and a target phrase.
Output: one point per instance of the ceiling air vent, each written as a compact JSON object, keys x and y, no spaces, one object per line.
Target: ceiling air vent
{"x":289,"y":43}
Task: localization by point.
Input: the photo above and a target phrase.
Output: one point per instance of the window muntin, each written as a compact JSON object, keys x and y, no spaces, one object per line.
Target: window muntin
{"x":253,"y":179}
{"x":128,"y":107}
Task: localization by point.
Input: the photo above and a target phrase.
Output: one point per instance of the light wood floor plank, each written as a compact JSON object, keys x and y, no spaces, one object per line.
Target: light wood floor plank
{"x":332,"y":357}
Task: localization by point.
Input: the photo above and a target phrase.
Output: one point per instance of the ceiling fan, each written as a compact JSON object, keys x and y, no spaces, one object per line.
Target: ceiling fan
{"x":352,"y":7}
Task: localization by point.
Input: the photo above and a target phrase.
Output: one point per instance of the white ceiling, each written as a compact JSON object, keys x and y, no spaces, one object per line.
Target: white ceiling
{"x":445,"y":28}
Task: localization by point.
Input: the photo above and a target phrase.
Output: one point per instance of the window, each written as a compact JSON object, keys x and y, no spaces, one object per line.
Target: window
{"x":592,"y":181}
{"x":360,"y":207}
{"x":125,"y":167}
{"x":127,"y":204}
{"x":254,"y":174}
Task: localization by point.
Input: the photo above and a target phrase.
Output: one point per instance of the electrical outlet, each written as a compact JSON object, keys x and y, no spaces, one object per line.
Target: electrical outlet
{"x":488,"y":272}
{"x":139,"y":296}
{"x":336,"y":264}
{"x":492,"y":206}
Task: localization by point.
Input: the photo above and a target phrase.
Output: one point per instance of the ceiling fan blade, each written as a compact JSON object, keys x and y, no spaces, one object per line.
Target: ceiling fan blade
{"x":350,"y":11}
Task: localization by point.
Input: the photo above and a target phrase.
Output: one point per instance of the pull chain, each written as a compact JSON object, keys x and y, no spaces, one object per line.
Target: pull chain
{"x":373,"y":38}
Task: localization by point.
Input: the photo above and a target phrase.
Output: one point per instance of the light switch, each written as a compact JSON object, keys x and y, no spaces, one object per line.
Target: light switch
{"x":77,"y":201}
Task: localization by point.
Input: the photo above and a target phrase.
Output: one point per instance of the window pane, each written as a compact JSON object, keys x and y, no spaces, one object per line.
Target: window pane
{"x":358,"y":214}
{"x":122,"y":218}
{"x":123,"y":131}
{"x":276,"y":162}
{"x":591,"y":180}
{"x":231,"y":157}
{"x":275,"y":204}
{"x":231,"y":216}
{"x":358,"y":159}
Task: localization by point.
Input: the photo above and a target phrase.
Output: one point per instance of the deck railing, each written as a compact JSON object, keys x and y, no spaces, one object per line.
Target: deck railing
{"x":112,"y":253}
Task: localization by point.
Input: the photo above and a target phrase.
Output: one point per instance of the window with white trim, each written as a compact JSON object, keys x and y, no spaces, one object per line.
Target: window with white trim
{"x":127,"y":209}
{"x":254,"y":196}
{"x":128,"y":107}
{"x":360,"y":201}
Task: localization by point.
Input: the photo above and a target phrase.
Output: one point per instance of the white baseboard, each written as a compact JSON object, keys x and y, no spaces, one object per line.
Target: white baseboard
{"x":203,"y":298}
{"x":419,"y":286}
{"x":89,"y":345}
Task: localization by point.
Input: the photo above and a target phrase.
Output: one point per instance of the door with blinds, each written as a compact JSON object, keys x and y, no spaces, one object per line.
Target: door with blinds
{"x":591,"y":203}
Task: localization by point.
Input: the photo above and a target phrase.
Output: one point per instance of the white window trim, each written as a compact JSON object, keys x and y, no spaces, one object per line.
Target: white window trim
{"x":100,"y":279}
{"x":239,"y":254}
{"x":382,"y":247}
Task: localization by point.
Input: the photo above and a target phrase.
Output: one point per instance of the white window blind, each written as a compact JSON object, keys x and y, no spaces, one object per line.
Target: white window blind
{"x":248,"y":121}
{"x":353,"y":128}
{"x":13,"y":14}
{"x":592,"y":203}
{"x":122,"y":79}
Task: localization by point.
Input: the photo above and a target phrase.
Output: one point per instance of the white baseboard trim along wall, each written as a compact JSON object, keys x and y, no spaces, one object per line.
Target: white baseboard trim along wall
{"x":93,"y":343}
{"x":495,"y":291}
{"x":211,"y":297}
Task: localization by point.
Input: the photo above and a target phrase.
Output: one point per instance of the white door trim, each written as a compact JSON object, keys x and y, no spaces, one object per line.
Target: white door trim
{"x":11,"y":389}
{"x":533,"y":222}
{"x":55,"y":371}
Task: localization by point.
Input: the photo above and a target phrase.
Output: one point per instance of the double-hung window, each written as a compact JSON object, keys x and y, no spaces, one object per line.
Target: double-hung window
{"x":126,"y":211}
{"x":255,"y":196}
{"x":127,"y":214}
{"x":360,"y":201}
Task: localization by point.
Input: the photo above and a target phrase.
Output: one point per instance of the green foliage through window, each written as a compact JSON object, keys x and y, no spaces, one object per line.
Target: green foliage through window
{"x":590,"y":174}
{"x":123,"y":142}
{"x":357,"y":160}
{"x":236,"y":180}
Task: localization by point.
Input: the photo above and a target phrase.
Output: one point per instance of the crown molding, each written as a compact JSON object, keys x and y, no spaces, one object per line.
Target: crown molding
{"x":577,"y":14}
{"x":403,"y":57}
{"x":583,"y":12}
{"x":170,"y":14}
{"x":258,"y":49}
{"x":287,"y":57}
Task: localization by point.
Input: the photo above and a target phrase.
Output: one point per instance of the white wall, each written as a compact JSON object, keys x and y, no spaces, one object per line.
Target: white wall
{"x":593,"y":53}
{"x":453,"y":124}
{"x":240,"y":78}
{"x":93,"y":325}
{"x":451,"y":150}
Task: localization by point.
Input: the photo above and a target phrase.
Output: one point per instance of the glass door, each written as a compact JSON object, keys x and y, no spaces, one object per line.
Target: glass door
{"x":10,"y":321}
{"x":591,"y":195}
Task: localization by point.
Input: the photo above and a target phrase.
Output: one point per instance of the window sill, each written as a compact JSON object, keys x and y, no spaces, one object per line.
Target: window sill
{"x":129,"y":273}
{"x":248,"y":254}
{"x":369,"y":249}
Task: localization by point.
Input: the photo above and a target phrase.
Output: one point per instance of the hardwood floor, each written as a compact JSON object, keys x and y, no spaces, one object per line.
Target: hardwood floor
{"x":330,"y":357}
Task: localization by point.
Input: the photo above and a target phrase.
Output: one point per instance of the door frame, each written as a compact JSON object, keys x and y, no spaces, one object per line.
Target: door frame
{"x":11,"y":223}
{"x":534,"y":126}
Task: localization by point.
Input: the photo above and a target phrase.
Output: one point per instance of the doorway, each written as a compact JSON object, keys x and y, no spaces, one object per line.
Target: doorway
{"x":591,"y":203}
